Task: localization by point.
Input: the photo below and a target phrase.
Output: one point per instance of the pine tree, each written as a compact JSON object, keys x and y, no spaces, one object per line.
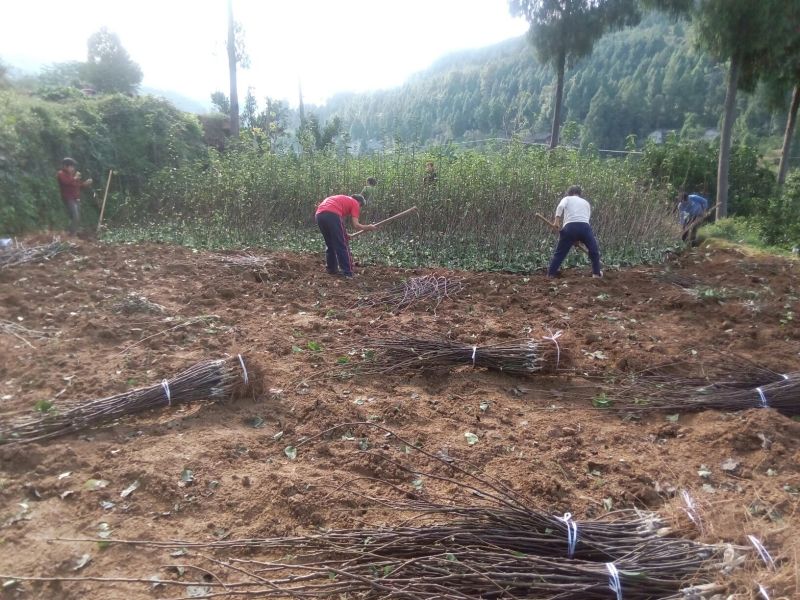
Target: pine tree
{"x":740,"y":32}
{"x":563,"y":31}
{"x":109,"y":69}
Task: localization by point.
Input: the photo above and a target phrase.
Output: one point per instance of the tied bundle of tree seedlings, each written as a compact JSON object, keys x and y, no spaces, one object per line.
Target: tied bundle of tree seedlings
{"x":524,"y":357}
{"x":493,"y":547}
{"x":719,"y":370}
{"x":208,"y":380}
{"x":19,"y":255}
{"x":433,"y":289}
{"x":782,"y":394}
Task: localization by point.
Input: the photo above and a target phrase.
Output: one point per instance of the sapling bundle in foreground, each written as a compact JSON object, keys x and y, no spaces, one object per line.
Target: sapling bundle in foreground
{"x":475,"y":539}
{"x":782,"y":394}
{"x":522,"y":357}
{"x":212,"y":380}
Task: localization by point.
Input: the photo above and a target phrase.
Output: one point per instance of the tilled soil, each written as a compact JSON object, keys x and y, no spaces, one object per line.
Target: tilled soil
{"x":294,"y":324}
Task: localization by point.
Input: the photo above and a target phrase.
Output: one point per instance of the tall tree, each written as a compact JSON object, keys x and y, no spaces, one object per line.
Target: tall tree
{"x":740,"y":32}
{"x":234,"y":97}
{"x":221,"y":102}
{"x":563,"y":31}
{"x":783,"y":73}
{"x":791,"y":123}
{"x":109,"y":69}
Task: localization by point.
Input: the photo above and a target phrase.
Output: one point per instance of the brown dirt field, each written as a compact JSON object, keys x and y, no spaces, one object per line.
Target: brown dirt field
{"x":539,"y":435}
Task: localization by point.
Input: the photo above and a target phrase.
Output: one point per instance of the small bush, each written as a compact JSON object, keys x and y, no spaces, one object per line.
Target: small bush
{"x":781,"y":220}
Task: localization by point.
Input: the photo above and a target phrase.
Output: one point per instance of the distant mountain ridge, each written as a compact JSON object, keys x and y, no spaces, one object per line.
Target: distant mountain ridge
{"x":637,"y":81}
{"x":184,"y":103}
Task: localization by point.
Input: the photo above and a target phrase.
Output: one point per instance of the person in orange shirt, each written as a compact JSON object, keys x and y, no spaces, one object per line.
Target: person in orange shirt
{"x":70,"y":184}
{"x":330,"y":217}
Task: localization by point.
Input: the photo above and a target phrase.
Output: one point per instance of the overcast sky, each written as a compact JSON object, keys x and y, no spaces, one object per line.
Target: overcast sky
{"x":329,"y":45}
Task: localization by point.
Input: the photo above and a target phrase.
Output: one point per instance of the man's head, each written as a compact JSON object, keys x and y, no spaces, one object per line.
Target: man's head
{"x":360,"y":199}
{"x":574,"y":190}
{"x":429,"y":166}
{"x":372,"y":181}
{"x":69,"y":164}
{"x":683,"y":197}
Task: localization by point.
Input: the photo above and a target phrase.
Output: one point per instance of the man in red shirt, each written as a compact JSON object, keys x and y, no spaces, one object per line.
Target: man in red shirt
{"x":330,"y":217}
{"x":70,"y":183}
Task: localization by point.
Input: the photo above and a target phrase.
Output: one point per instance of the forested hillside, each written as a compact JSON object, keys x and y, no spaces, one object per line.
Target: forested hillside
{"x":636,"y":81}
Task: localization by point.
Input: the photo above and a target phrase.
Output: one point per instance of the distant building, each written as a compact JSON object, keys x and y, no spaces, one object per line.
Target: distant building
{"x":658,"y":136}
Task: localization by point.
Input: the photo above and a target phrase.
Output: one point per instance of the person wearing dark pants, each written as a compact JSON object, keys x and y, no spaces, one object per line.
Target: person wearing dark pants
{"x":70,"y":184}
{"x":692,"y":211}
{"x":330,"y":218}
{"x":574,"y":212}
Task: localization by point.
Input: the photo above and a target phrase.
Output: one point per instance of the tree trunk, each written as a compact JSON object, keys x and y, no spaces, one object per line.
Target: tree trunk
{"x":234,"y":114}
{"x":791,"y":121}
{"x":561,"y":60}
{"x":725,"y":139}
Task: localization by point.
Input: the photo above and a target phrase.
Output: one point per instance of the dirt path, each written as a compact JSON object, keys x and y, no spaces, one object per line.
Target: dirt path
{"x":556,"y":449}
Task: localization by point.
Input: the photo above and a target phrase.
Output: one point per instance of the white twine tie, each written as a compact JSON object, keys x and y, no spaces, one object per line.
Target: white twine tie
{"x":613,"y":581}
{"x":474,"y":350}
{"x":553,"y":337}
{"x":244,"y":369}
{"x":165,"y":386}
{"x":763,"y":398}
{"x":763,"y":592}
{"x":785,"y":376}
{"x":762,"y":552}
{"x":691,"y":510}
{"x":572,"y":533}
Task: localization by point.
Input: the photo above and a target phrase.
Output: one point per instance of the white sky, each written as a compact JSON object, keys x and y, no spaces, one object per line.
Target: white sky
{"x":329,"y":45}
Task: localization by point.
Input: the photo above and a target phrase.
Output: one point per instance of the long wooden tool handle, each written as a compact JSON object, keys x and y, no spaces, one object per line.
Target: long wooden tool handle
{"x":544,"y":220}
{"x":389,"y":220}
{"x":699,"y":220}
{"x":105,"y":195}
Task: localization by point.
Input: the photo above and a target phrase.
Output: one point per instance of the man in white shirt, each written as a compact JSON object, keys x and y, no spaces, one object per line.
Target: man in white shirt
{"x":572,"y":223}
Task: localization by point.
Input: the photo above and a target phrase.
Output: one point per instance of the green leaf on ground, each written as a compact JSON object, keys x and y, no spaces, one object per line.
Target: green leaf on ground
{"x":471,"y":438}
{"x":602,"y":401}
{"x":290,"y":452}
{"x":43,"y":406}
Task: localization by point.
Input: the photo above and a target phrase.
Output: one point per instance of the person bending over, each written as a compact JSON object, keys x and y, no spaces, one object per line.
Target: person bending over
{"x":572,"y":223}
{"x":330,"y":217}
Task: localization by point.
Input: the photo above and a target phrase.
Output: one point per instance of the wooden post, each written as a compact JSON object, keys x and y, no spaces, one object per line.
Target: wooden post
{"x":105,"y":195}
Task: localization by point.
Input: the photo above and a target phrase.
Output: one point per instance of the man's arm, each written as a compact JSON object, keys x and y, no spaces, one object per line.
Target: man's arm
{"x":359,"y":227}
{"x":557,"y":222}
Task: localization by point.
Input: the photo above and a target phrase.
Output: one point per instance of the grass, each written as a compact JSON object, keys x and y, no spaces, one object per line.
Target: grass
{"x":379,"y":248}
{"x":741,"y":232}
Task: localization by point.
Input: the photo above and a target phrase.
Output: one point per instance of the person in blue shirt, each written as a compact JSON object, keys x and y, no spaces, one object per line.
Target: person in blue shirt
{"x":691,"y":211}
